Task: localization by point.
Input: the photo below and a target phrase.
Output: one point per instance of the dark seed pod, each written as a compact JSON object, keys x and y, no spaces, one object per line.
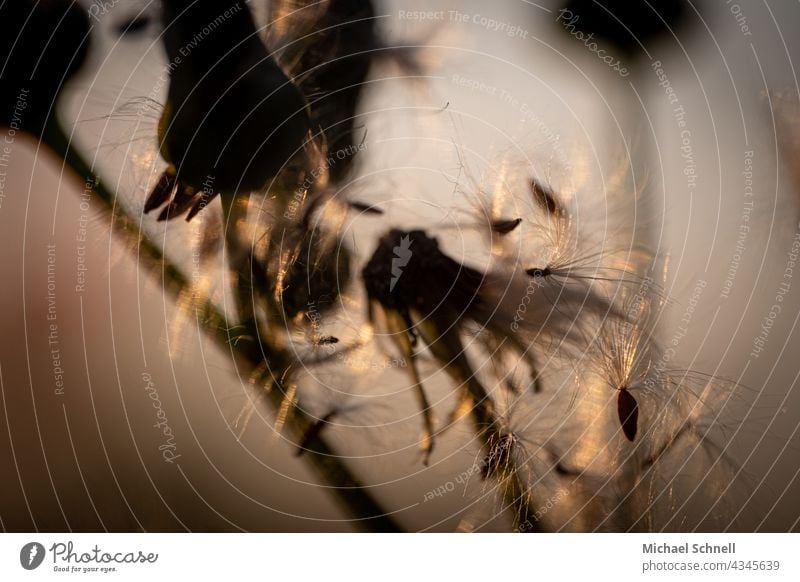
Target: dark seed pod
{"x":436,"y":296}
{"x":404,"y":260}
{"x":329,"y":49}
{"x":628,"y":412}
{"x":412,"y":281}
{"x":330,"y":65}
{"x":232,"y":120}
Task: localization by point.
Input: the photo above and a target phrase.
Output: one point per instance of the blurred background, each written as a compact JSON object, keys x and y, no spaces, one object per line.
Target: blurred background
{"x":681,"y":126}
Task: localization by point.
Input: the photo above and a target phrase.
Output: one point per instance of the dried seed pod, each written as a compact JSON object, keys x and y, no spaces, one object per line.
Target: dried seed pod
{"x":233,"y":120}
{"x":402,"y":261}
{"x":507,"y":306}
{"x":329,"y":49}
{"x":422,"y":292}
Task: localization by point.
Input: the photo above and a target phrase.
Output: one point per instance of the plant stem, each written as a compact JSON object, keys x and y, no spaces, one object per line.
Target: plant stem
{"x":250,"y":358}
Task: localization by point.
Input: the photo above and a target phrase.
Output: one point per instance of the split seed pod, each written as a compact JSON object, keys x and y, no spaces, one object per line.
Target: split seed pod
{"x":233,"y":119}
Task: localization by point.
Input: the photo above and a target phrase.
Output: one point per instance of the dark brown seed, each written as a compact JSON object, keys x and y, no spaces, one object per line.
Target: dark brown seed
{"x":545,"y":198}
{"x":362,"y":207}
{"x":328,"y":340}
{"x":200,"y":204}
{"x":161,"y":192}
{"x":183,"y":199}
{"x":505,"y":226}
{"x":563,"y":470}
{"x":537,"y":272}
{"x":628,"y":411}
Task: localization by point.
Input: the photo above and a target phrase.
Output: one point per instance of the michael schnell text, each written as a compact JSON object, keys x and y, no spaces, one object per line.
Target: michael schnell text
{"x":686,"y":548}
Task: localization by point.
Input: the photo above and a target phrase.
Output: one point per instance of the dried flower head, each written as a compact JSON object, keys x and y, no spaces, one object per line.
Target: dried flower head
{"x":329,"y":49}
{"x":233,"y":120}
